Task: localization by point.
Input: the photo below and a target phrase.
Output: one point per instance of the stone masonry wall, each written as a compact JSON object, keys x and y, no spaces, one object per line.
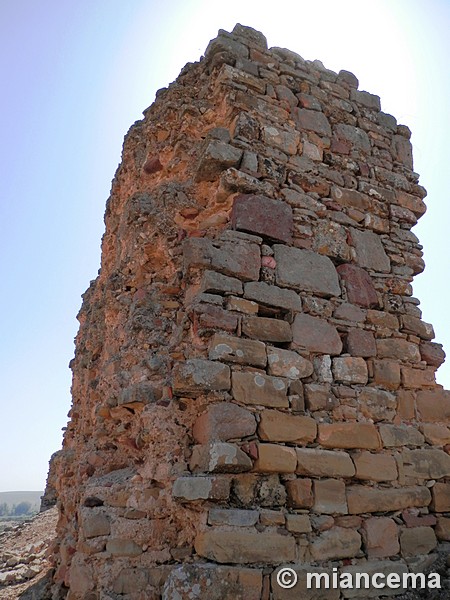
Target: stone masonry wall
{"x":253,"y":382}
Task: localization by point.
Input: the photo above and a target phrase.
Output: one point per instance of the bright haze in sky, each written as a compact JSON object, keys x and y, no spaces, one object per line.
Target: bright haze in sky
{"x":76,"y":75}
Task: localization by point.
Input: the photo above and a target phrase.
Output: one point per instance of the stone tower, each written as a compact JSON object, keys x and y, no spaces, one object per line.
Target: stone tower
{"x":253,"y":383}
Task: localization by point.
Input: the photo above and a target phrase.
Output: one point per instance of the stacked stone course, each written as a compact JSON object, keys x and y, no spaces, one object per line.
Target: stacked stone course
{"x":253,"y":382}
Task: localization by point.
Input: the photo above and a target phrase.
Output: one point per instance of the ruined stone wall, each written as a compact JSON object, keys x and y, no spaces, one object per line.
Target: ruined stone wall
{"x":253,"y":383}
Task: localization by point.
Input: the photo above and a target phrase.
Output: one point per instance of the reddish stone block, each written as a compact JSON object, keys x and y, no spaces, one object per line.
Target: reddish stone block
{"x":300,"y":493}
{"x":434,"y":405}
{"x":359,"y":286}
{"x":263,"y":216}
{"x":386,"y":373}
{"x":412,"y":518}
{"x":432,"y":353}
{"x":214,"y":317}
{"x":441,"y":497}
{"x":349,"y":435}
{"x":380,"y":535}
{"x":266,"y":329}
{"x":223,"y":421}
{"x":361,"y":343}
{"x":316,"y":335}
{"x":418,"y":378}
{"x":312,"y":120}
{"x":152,"y":165}
{"x":405,"y":404}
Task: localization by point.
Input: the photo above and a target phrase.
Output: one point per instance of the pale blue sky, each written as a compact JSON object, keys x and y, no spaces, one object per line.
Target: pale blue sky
{"x":76,"y":75}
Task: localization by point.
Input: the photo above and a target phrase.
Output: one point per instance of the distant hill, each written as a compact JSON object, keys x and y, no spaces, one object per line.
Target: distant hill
{"x":14,"y":498}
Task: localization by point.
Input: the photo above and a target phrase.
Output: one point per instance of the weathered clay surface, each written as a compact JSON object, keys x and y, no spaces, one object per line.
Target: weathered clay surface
{"x":253,"y":382}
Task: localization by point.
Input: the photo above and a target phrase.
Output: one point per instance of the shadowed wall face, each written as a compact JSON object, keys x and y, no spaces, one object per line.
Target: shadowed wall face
{"x":253,"y":383}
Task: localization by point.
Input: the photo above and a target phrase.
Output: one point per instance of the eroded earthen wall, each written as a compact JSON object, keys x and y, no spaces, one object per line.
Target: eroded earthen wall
{"x":253,"y":383}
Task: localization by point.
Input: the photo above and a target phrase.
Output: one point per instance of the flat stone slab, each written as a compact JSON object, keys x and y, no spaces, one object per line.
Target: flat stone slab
{"x":315,"y":335}
{"x":255,"y":388}
{"x":263,"y":216}
{"x":213,"y":582}
{"x":306,"y":270}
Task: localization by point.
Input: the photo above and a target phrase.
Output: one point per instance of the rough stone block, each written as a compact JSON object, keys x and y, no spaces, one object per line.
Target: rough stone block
{"x":235,"y":259}
{"x":400,"y":435}
{"x":336,"y":543}
{"x":271,"y":219}
{"x":370,"y":253}
{"x":362,"y":499}
{"x":349,"y":435}
{"x":350,"y":198}
{"x":312,"y":120}
{"x":417,"y":540}
{"x":354,"y":136}
{"x":122,"y":547}
{"x":277,"y":426}
{"x":436,"y":435}
{"x":298,"y":523}
{"x":268,"y":330}
{"x":441,"y":497}
{"x":427,"y":463}
{"x":131,"y":580}
{"x":416,"y":326}
{"x":216,"y":157}
{"x":214,"y":283}
{"x":359,"y":286}
{"x":219,"y":457}
{"x":286,"y":141}
{"x":301,"y":591}
{"x":406,"y":408}
{"x":307,"y":271}
{"x":196,"y":376}
{"x":380,"y":535}
{"x":213,"y":582}
{"x":324,"y":463}
{"x":272,"y":295}
{"x":365,"y":99}
{"x":382,"y":320}
{"x":386,"y":373}
{"x":222,"y":422}
{"x":245,"y":547}
{"x":94,"y":523}
{"x":225,"y":43}
{"x":189,"y":489}
{"x":434,"y":405}
{"x":399,"y":349}
{"x":212,"y":317}
{"x":243,"y":306}
{"x":353,"y":313}
{"x":375,"y":467}
{"x":390,"y":569}
{"x":315,"y":335}
{"x":272,"y":517}
{"x":443,"y":529}
{"x":361,"y":343}
{"x":418,"y":378}
{"x":285,"y":363}
{"x":254,"y":388}
{"x":233,"y":517}
{"x":349,"y":370}
{"x":432,"y":353}
{"x":237,"y":350}
{"x":376,"y":404}
{"x":299,"y":493}
{"x":273,"y":458}
{"x":319,"y":397}
{"x":329,"y":497}
{"x":331,"y":239}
